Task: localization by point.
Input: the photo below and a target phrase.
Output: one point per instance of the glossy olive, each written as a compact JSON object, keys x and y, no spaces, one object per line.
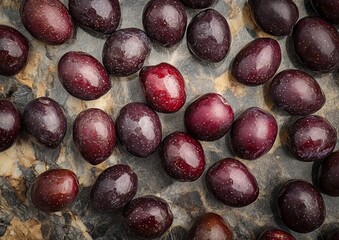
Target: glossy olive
{"x":209,"y":36}
{"x":45,"y":121}
{"x":329,"y":175}
{"x":328,"y":9}
{"x":14,"y":50}
{"x":114,"y":188}
{"x":199,"y":4}
{"x":275,"y":234}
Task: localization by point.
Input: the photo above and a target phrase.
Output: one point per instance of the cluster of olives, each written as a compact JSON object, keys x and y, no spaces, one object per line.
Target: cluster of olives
{"x":208,"y":118}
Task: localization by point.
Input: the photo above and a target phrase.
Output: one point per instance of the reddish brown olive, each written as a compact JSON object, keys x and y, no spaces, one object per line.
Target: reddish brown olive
{"x":275,"y":234}
{"x":329,"y":175}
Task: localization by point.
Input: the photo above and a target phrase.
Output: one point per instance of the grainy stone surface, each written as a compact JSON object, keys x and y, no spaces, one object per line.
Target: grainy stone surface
{"x":24,"y":161}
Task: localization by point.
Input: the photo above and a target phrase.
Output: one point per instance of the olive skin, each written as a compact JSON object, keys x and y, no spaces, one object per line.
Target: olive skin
{"x":94,"y":135}
{"x":212,"y":45}
{"x":147,"y":217}
{"x":316,"y":44}
{"x":47,"y":20}
{"x":301,"y":206}
{"x":328,"y":9}
{"x":275,"y":17}
{"x":257,"y":62}
{"x":165,"y":21}
{"x":114,"y":188}
{"x":329,"y":175}
{"x":119,"y":58}
{"x":311,"y":138}
{"x":138,"y":128}
{"x":198,"y":4}
{"x":163,"y":87}
{"x":334,"y":235}
{"x":296,"y":92}
{"x":54,"y":190}
{"x":232,"y":183}
{"x":102,"y":16}
{"x":275,"y":234}
{"x":253,"y":133}
{"x":45,"y":121}
{"x":83,"y":76}
{"x":14,"y":50}
{"x":209,"y":117}
{"x":10,"y":124}
{"x":182,"y":157}
{"x":210,"y":226}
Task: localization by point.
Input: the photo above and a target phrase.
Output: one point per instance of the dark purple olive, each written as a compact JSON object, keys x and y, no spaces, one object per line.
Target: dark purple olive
{"x":10,"y":124}
{"x":147,"y":217}
{"x":257,"y":62}
{"x":328,"y":9}
{"x":311,"y":138}
{"x":253,"y":133}
{"x":182,"y":157}
{"x":275,"y":234}
{"x":114,"y":188}
{"x":232,"y":183}
{"x":296,"y":92}
{"x":94,"y":135}
{"x":139,"y":129}
{"x":209,"y":117}
{"x":83,"y":76}
{"x":163,"y":87}
{"x":98,"y":15}
{"x":329,"y":175}
{"x":14,"y":50}
{"x":210,"y":226}
{"x":301,"y":206}
{"x":275,"y":17}
{"x":198,"y":4}
{"x":47,"y":20}
{"x":125,"y":51}
{"x":45,"y":121}
{"x":316,"y":43}
{"x":54,"y":190}
{"x":334,"y":235}
{"x":209,"y":36}
{"x":165,"y":21}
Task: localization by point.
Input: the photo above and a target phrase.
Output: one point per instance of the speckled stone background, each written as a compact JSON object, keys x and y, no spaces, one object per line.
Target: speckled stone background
{"x":25,"y":160}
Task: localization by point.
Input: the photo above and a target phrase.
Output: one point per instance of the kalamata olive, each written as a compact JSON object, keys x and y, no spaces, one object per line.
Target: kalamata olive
{"x":164,"y":87}
{"x":98,"y":15}
{"x":257,"y":62}
{"x":296,"y":92}
{"x":139,"y":129}
{"x":125,"y":51}
{"x":210,"y":226}
{"x":253,"y":133}
{"x":232,"y":183}
{"x":209,"y":36}
{"x":328,"y":9}
{"x":198,"y":4}
{"x":10,"y":124}
{"x":209,"y":117}
{"x":275,"y":17}
{"x":147,"y":217}
{"x":316,"y":43}
{"x":165,"y":21}
{"x":55,"y":190}
{"x":14,"y":50}
{"x":45,"y":121}
{"x":329,"y":175}
{"x":301,"y":206}
{"x":83,"y":76}
{"x":114,"y":188}
{"x":182,"y":157}
{"x":311,"y":138}
{"x":47,"y":20}
{"x":94,"y":135}
{"x":334,"y":235}
{"x":275,"y":234}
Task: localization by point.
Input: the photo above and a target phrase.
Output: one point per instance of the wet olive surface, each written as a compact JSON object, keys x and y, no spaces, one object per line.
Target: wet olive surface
{"x":22,"y":163}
